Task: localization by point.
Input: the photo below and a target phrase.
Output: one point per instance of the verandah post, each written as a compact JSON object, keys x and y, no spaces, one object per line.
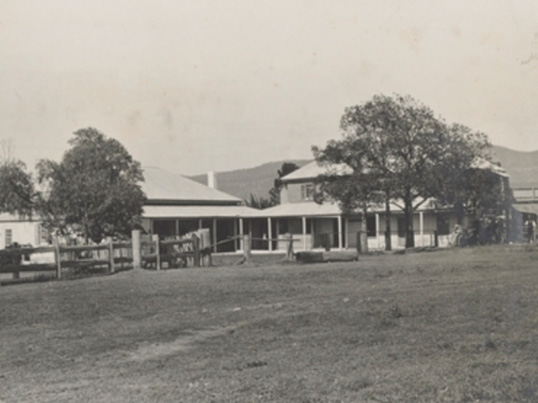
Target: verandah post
{"x":18,"y":259}
{"x":196,"y":249}
{"x":17,"y":273}
{"x":155,"y":239}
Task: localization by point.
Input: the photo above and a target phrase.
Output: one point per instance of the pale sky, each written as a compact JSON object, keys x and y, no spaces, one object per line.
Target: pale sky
{"x":218,"y":85}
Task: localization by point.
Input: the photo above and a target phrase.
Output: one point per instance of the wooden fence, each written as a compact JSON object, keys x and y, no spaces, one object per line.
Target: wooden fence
{"x":110,"y":256}
{"x":140,"y":252}
{"x":170,"y":252}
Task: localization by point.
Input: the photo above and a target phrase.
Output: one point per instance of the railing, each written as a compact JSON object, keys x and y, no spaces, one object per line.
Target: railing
{"x":109,"y":256}
{"x":193,"y":249}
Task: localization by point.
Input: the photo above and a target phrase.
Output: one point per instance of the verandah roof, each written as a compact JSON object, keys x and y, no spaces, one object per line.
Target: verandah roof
{"x":529,"y":208}
{"x":192,"y":212}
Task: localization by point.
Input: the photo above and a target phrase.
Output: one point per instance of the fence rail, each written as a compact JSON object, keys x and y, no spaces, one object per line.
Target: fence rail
{"x":109,"y":256}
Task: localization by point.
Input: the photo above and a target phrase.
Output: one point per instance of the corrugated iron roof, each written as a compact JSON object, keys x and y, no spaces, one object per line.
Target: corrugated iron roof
{"x":486,"y":165}
{"x":7,"y":217}
{"x":312,"y":170}
{"x":162,"y":185}
{"x":531,"y":208}
{"x":198,"y":211}
{"x":304,"y":209}
{"x":311,"y":209}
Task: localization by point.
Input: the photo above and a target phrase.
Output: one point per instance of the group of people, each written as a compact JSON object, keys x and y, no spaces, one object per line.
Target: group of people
{"x":486,"y":230}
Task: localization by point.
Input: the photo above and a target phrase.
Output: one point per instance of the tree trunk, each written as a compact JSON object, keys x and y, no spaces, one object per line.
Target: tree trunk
{"x":408,"y":216}
{"x":363,"y":238}
{"x":388,"y":242}
{"x":86,"y":231}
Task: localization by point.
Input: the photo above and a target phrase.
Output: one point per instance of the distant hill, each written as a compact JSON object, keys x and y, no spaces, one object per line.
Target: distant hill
{"x":242,"y":182}
{"x":521,"y":166}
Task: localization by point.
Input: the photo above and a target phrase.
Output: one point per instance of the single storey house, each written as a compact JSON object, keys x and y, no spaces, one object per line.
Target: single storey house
{"x":177,"y":205}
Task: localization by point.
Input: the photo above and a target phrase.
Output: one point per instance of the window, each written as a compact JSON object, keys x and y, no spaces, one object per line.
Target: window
{"x":370,"y":226}
{"x":9,"y":237}
{"x":307,"y":191}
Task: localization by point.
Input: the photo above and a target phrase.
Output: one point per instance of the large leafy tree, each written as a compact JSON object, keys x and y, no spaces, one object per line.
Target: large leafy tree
{"x":346,"y":180}
{"x":95,"y":189}
{"x":410,"y":154}
{"x":285,"y":169}
{"x":259,"y":203}
{"x":16,"y":188}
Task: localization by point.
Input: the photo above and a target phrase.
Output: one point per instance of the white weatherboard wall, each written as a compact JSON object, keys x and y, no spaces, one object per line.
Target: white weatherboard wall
{"x":22,"y":232}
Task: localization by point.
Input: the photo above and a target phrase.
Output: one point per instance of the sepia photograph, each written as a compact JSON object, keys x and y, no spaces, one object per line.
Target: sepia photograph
{"x":295,"y":201}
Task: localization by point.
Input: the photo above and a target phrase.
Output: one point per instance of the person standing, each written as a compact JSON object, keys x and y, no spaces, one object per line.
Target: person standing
{"x":529,"y":226}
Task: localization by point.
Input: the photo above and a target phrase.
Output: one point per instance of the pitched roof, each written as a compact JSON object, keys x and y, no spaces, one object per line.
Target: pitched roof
{"x":312,"y":170}
{"x":486,"y":165}
{"x":162,"y":185}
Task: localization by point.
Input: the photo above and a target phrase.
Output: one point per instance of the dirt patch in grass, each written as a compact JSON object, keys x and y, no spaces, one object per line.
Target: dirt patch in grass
{"x":186,"y":342}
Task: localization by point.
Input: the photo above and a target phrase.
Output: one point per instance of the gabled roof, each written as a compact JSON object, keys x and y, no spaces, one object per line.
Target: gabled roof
{"x":312,"y":170}
{"x":486,"y":165}
{"x":162,"y":187}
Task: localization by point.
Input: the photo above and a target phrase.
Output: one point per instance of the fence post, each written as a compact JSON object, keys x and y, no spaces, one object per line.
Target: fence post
{"x":196,"y":249}
{"x":58,"y":259}
{"x":16,"y":273}
{"x":247,"y":248}
{"x":137,"y":258}
{"x":359,"y":242}
{"x":155,"y":238}
{"x":111,"y":268}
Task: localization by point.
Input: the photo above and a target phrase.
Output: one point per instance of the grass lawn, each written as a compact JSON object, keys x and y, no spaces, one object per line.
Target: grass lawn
{"x":447,"y":326}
